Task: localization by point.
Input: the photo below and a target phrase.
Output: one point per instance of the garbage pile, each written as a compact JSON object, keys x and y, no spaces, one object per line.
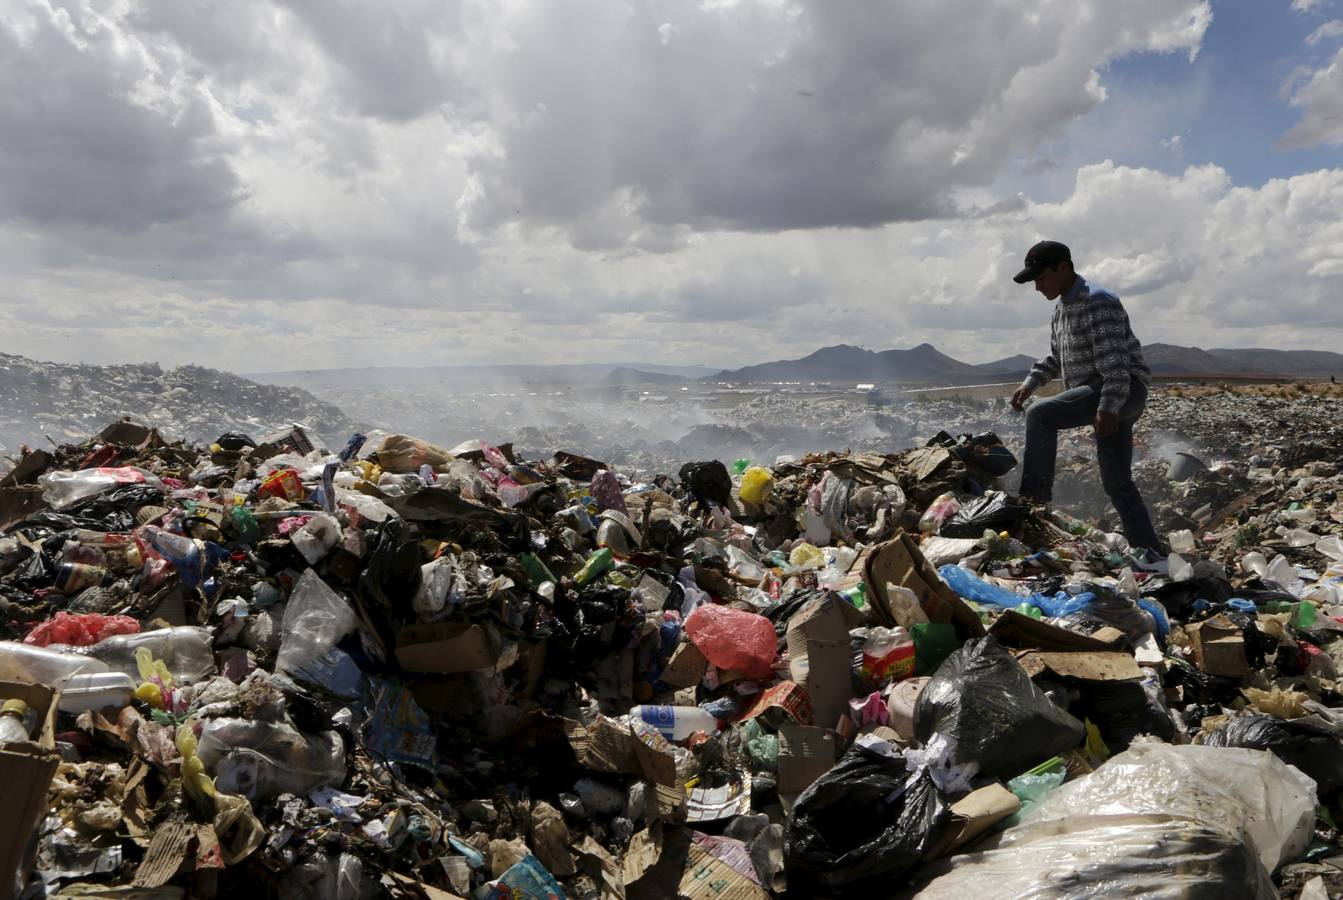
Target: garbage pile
{"x":406,"y":670}
{"x":67,"y":402}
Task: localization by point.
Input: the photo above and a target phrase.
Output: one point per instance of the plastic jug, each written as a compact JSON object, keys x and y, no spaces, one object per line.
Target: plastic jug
{"x":676,"y":722}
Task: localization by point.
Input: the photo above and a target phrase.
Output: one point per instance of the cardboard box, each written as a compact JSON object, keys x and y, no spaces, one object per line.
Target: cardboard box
{"x":26,"y":769}
{"x":1088,"y":665}
{"x":820,"y":658}
{"x":447,"y":647}
{"x":805,"y":754}
{"x":900,"y":562}
{"x":1219,"y":647}
{"x":972,"y":815}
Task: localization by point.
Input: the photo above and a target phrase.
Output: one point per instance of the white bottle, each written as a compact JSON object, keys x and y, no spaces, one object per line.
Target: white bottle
{"x":14,"y":722}
{"x":676,"y":722}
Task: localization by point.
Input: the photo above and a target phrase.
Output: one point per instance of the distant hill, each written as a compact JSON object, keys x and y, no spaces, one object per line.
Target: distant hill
{"x":625,"y":375}
{"x":925,"y":364}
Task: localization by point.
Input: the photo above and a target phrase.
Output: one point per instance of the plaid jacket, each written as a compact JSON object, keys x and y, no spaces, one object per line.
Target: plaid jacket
{"x":1090,"y":343}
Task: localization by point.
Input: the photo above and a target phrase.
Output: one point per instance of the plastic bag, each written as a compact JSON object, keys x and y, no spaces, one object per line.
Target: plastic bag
{"x":995,"y":511}
{"x":607,"y":492}
{"x":938,"y":512}
{"x":80,"y":629}
{"x":1303,"y":743}
{"x":992,"y":713}
{"x":861,"y":825}
{"x":1248,"y":793}
{"x":709,"y":481}
{"x":61,"y":489}
{"x":1155,"y":821}
{"x":756,"y":484}
{"x":260,"y":760}
{"x":971,"y":588}
{"x":734,"y":639}
{"x":315,"y":618}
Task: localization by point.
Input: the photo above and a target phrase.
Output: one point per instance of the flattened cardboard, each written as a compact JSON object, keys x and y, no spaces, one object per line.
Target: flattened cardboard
{"x":900,"y":562}
{"x":805,"y":754}
{"x":686,"y":668}
{"x":1098,"y":665}
{"x":26,"y":770}
{"x":447,"y":647}
{"x":1015,"y":630}
{"x":679,"y":869}
{"x":972,"y":816}
{"x":168,"y":850}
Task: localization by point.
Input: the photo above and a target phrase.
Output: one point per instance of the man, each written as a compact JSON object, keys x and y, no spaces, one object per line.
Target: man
{"x":1105,"y":384}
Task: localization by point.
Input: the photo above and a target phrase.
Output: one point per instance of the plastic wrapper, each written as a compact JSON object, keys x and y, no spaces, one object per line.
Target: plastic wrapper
{"x":1303,"y":743}
{"x":995,"y":511}
{"x":733,"y":639}
{"x":938,"y":512}
{"x":860,"y":826}
{"x":315,"y":618}
{"x":991,"y":712}
{"x":259,"y":760}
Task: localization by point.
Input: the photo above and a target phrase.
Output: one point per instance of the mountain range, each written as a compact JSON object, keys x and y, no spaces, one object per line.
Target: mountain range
{"x":925,"y":364}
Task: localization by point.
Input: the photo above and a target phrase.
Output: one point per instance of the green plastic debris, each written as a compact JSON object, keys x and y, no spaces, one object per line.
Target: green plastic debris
{"x":537,"y":572}
{"x":740,"y":466}
{"x":1304,"y":615}
{"x":598,"y":564}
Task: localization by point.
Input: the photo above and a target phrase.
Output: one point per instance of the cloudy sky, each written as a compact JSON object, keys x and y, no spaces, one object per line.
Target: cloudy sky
{"x":275,"y":184}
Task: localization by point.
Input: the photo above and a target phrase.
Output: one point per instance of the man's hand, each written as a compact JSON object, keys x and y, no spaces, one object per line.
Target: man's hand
{"x":1107,"y":423}
{"x":1019,"y":398}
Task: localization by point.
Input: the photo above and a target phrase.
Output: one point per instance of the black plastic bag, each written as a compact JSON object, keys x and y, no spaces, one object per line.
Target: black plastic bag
{"x":234,"y":440}
{"x":708,"y":481}
{"x":1310,"y":747}
{"x":992,"y":713}
{"x":993,"y":512}
{"x":1122,"y":710}
{"x":857,"y":828}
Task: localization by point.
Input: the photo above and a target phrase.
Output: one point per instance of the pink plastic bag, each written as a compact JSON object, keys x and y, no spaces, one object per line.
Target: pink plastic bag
{"x":80,"y":629}
{"x":734,"y":639}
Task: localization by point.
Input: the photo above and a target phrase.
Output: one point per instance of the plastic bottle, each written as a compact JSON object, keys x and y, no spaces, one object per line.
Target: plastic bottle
{"x":1182,"y":541}
{"x":96,"y":691}
{"x":676,"y":722}
{"x":43,"y":665}
{"x":187,"y":651}
{"x":73,"y":577}
{"x":14,"y":722}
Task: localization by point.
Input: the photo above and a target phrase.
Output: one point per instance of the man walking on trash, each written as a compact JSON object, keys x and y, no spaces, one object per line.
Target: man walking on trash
{"x":1105,"y":384}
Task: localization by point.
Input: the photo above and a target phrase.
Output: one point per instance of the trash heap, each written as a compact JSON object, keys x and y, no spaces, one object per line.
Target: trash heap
{"x":407,"y":670}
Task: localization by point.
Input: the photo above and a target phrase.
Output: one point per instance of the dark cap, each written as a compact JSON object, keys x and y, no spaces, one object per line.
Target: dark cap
{"x":1043,"y":255}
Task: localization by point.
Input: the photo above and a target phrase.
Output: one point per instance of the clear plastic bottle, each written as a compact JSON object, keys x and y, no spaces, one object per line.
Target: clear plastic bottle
{"x":187,"y":651}
{"x":43,"y":665}
{"x":14,"y":722}
{"x":676,"y":723}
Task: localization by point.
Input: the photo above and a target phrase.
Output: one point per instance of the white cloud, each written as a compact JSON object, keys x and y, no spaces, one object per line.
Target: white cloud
{"x":1308,"y":5}
{"x":1331,"y":29}
{"x":265,"y":185}
{"x":1318,"y":93}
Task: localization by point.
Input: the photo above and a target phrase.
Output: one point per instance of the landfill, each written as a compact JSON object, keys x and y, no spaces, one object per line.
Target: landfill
{"x":391,"y":668}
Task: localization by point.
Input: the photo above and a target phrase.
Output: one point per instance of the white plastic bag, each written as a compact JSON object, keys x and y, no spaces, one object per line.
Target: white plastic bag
{"x":1157,"y":820}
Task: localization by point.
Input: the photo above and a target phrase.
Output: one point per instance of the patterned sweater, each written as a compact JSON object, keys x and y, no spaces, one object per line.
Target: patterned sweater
{"x":1091,"y":343}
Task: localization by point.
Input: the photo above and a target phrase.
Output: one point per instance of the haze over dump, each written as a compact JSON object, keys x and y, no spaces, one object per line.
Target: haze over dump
{"x":280,"y":184}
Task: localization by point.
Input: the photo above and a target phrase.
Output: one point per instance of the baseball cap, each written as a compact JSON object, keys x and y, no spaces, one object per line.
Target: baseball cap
{"x":1042,"y":256}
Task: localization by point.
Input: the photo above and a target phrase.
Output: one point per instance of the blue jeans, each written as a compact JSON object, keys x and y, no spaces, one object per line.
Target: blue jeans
{"x":1074,"y":409}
